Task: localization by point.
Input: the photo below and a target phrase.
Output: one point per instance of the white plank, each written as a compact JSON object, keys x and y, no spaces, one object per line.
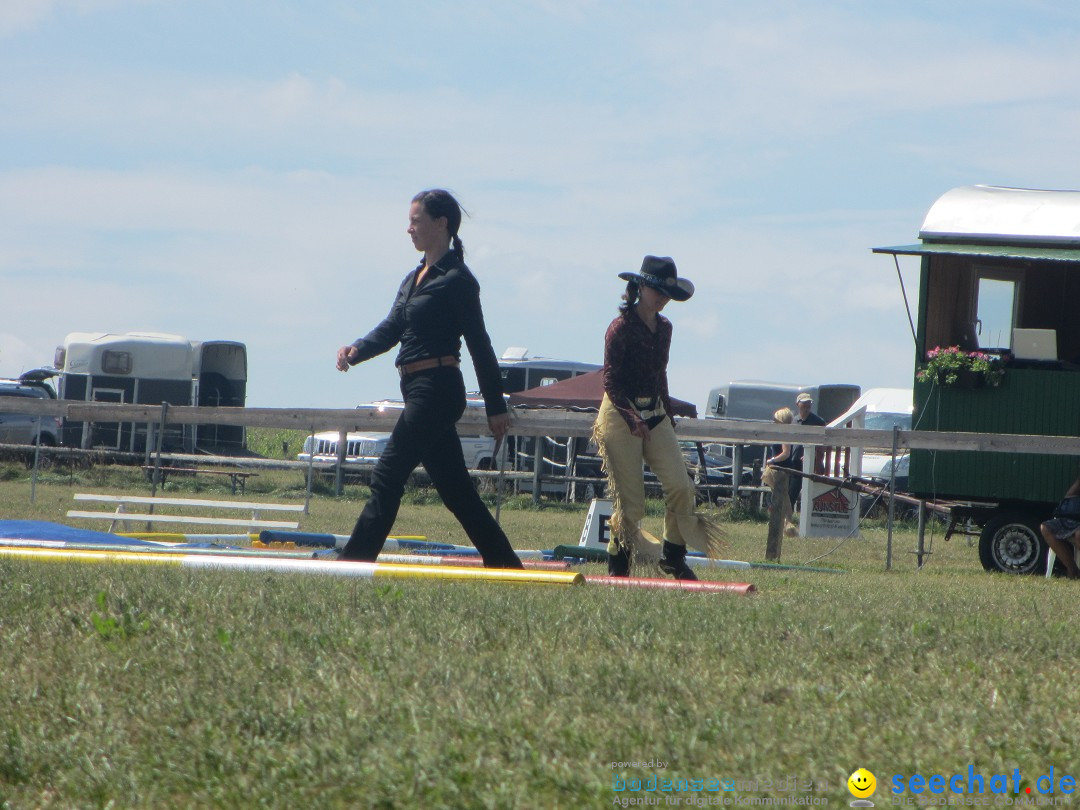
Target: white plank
{"x":144,"y":499}
{"x":123,"y":517}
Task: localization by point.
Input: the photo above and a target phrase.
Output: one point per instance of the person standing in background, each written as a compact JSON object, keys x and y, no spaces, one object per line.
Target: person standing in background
{"x":804,"y":403}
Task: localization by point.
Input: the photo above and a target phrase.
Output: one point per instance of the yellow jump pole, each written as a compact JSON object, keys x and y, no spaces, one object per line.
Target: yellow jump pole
{"x":306,"y":566}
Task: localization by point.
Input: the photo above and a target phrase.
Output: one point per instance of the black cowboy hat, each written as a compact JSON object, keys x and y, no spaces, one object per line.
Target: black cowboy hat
{"x":659,"y":273}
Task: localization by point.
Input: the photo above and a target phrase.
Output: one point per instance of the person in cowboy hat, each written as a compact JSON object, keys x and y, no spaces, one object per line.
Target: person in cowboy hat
{"x":635,"y":425}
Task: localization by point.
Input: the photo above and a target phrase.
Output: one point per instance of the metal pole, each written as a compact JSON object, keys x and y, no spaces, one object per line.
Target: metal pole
{"x":571,"y":469}
{"x":37,"y":455}
{"x":160,"y":439}
{"x":149,"y":443}
{"x":922,"y":533}
{"x":892,"y":498}
{"x":339,"y":470}
{"x":538,"y":462}
{"x":310,"y":472}
{"x":500,"y":455}
{"x":736,"y":471}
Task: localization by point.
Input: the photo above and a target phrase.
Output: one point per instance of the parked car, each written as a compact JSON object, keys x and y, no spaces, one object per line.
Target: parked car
{"x":23,"y":428}
{"x":717,"y":471}
{"x":362,"y":450}
{"x":878,"y":467}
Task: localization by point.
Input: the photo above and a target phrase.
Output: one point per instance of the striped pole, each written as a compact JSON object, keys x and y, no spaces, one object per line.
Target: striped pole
{"x":471,"y":562}
{"x":397,"y":543}
{"x":180,"y":537}
{"x":147,"y":548}
{"x":701,"y":586}
{"x":326,"y":540}
{"x":153,"y":547}
{"x":308,"y":566}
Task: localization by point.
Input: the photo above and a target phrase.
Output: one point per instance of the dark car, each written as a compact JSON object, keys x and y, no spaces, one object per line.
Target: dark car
{"x":705,"y":467}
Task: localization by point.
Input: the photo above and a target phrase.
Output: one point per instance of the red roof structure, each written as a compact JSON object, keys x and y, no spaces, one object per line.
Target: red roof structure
{"x":583,"y":392}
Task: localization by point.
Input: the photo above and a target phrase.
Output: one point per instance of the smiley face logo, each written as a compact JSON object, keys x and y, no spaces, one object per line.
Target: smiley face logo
{"x":862,"y":783}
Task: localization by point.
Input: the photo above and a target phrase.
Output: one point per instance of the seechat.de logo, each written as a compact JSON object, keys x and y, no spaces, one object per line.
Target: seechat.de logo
{"x":862,"y":784}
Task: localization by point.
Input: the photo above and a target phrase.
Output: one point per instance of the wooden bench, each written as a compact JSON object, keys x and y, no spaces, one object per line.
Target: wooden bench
{"x":237,"y":478}
{"x":122,"y":514}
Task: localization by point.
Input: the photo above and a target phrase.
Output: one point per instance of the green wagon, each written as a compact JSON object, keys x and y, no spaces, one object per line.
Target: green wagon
{"x":998,"y":320}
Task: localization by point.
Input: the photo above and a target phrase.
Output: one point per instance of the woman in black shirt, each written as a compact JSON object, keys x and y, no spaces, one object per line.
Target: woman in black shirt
{"x":437,"y":304}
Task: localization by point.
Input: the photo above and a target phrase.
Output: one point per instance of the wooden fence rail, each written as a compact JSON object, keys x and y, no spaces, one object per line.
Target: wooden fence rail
{"x":539,"y":422}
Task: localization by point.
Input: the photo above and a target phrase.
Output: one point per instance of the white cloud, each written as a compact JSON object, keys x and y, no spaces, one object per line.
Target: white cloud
{"x":20,"y":15}
{"x":17,"y":16}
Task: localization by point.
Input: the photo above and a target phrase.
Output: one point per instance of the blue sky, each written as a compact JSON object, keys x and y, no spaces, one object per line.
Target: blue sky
{"x":242,"y":170}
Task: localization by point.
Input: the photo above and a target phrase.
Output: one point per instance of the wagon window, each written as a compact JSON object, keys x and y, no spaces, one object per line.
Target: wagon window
{"x":996,"y":307}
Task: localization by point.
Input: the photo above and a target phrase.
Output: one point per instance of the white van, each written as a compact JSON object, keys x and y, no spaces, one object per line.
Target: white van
{"x":362,"y":450}
{"x":885,"y":408}
{"x":880,"y":409}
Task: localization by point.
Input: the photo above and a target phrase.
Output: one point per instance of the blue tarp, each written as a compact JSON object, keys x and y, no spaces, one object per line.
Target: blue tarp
{"x":57,"y":532}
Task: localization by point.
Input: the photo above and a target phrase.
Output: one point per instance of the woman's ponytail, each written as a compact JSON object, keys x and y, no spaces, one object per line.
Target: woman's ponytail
{"x":630,"y":297}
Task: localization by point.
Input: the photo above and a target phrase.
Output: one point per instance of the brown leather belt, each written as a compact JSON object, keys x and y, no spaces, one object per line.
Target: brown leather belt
{"x":430,"y":362}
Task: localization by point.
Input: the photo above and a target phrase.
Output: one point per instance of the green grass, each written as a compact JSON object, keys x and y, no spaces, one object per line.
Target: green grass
{"x":148,"y":687}
{"x":276,"y":443}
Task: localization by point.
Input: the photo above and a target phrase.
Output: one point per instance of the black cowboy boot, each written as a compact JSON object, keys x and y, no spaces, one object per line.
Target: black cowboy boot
{"x":674,"y":562}
{"x":618,"y":564}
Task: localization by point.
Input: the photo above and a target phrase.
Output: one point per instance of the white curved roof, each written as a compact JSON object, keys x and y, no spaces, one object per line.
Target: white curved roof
{"x":166,"y":357}
{"x":1005,"y":215}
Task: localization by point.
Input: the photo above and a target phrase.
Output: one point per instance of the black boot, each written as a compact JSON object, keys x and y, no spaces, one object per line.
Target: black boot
{"x":674,"y":562}
{"x":618,"y":564}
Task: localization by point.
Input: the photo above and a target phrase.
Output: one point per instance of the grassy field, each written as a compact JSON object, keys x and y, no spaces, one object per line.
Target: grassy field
{"x":145,"y":687}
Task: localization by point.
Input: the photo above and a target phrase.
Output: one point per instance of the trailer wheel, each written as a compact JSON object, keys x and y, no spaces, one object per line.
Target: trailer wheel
{"x":1011,"y":543}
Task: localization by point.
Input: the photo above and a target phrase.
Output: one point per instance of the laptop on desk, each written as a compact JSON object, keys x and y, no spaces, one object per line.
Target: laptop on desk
{"x":1034,"y":344}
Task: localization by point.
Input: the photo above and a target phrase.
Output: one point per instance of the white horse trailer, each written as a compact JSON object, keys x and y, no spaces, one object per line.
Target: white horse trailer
{"x":148,"y":368}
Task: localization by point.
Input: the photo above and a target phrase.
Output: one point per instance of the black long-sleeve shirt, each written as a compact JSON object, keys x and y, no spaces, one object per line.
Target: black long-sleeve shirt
{"x":430,"y":320}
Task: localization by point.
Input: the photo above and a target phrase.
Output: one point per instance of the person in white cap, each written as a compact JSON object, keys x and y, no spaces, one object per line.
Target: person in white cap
{"x":804,"y":402}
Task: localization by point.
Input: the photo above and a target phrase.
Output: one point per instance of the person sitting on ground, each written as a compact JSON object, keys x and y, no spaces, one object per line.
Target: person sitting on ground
{"x":1060,"y":532}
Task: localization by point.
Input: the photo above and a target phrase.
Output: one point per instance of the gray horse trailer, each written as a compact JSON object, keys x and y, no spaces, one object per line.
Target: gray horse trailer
{"x":148,"y":368}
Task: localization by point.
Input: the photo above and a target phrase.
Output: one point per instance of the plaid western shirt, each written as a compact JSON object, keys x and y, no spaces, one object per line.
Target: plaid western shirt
{"x":635,"y":364}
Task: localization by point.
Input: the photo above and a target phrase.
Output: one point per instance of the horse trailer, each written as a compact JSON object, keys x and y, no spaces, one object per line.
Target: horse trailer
{"x":148,"y":368}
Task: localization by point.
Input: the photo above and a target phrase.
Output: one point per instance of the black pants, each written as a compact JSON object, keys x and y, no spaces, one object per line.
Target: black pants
{"x":795,"y":488}
{"x":425,"y":433}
